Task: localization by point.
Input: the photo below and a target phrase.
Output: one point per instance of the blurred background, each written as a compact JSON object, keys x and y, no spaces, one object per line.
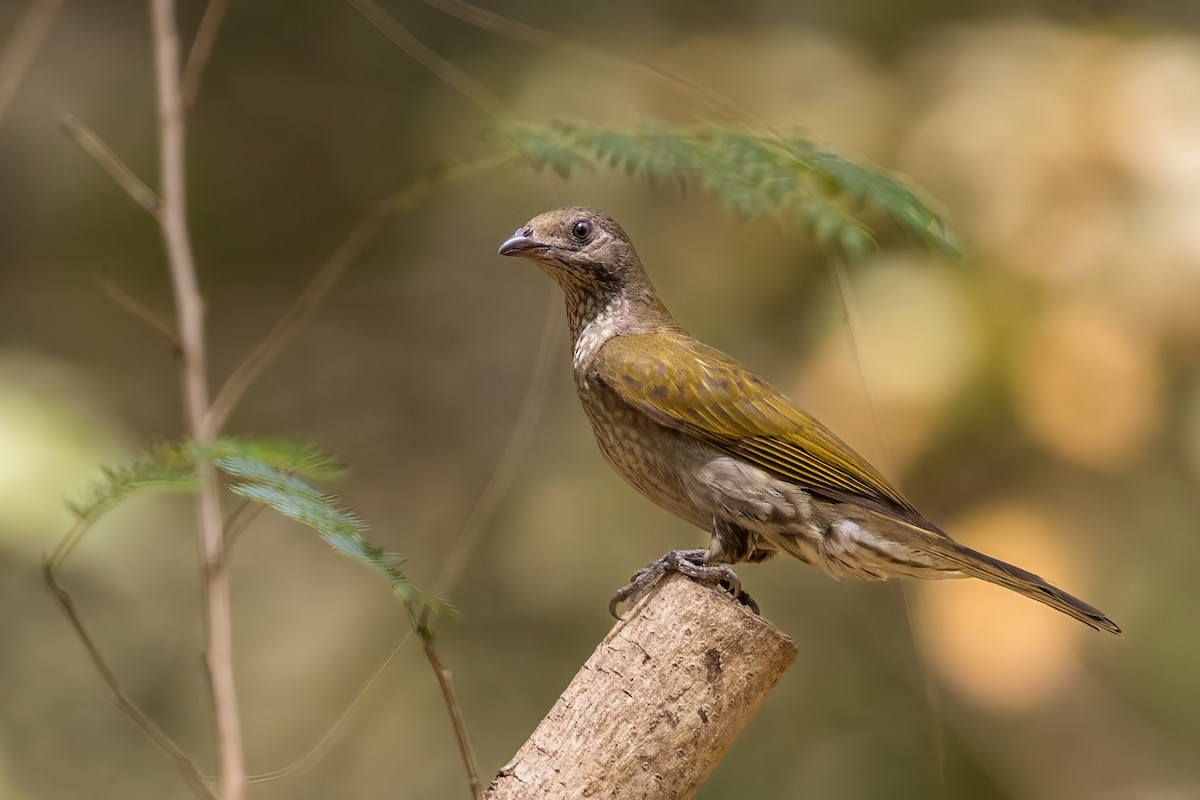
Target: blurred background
{"x":1039,"y":398}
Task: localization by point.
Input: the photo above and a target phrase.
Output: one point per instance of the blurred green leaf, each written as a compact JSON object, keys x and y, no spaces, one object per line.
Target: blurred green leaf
{"x":267,"y":471}
{"x":291,"y":457}
{"x":541,"y":148}
{"x":166,"y":467}
{"x":753,"y":174}
{"x":341,"y":529}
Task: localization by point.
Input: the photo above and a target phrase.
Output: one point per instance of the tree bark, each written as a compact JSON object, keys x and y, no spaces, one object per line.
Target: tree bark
{"x":658,"y":703}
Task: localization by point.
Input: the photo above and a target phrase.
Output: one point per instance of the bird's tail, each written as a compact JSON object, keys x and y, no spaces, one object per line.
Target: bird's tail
{"x":993,"y":570}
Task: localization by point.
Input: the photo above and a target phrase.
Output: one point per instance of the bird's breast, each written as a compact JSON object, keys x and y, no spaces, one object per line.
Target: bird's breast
{"x":651,"y":458}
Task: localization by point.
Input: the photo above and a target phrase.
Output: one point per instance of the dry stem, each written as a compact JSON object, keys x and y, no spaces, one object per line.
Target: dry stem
{"x":187,"y":767}
{"x":201,"y":50}
{"x":204,"y":421}
{"x":446,"y":684}
{"x":103,"y":155}
{"x":519,"y":31}
{"x":138,"y":309}
{"x":189,"y":305}
{"x":420,"y":52}
{"x":23,"y":46}
{"x":299,"y":313}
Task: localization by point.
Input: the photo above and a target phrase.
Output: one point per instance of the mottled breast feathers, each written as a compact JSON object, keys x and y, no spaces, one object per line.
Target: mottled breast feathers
{"x":685,"y":385}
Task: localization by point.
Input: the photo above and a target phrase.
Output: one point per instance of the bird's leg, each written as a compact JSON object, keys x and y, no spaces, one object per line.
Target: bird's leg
{"x":731,"y":544}
{"x":692,"y":563}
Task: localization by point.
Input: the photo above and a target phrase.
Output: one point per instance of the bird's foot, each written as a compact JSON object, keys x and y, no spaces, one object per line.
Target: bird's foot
{"x":686,"y":562}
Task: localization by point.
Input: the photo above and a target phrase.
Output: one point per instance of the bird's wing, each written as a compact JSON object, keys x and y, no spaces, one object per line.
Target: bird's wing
{"x":683,"y":384}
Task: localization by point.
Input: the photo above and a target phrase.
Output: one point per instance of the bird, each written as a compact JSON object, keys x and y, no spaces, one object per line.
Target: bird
{"x":714,"y":443}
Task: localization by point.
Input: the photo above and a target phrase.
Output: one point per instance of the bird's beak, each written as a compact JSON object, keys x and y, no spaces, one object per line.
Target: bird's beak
{"x":519,"y":244}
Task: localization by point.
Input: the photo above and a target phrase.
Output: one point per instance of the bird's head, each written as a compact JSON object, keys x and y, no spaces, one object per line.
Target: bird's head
{"x":592,"y":259}
{"x":581,"y":248}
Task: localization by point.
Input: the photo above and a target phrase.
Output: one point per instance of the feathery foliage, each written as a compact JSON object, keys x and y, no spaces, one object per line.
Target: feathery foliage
{"x":166,"y":467}
{"x":342,"y":530}
{"x":268,"y":471}
{"x":753,"y":174}
{"x":290,"y":457}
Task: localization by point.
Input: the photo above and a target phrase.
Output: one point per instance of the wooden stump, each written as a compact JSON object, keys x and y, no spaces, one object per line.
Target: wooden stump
{"x":658,"y":703}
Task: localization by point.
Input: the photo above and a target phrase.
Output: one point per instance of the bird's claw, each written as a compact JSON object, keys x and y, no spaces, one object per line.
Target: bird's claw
{"x":686,"y":562}
{"x":743,"y":597}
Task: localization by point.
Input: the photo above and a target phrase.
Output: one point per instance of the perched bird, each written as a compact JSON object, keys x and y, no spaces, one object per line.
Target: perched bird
{"x":707,"y":439}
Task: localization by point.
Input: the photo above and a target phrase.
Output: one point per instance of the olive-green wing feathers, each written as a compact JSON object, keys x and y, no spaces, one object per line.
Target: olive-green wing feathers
{"x":683,"y":384}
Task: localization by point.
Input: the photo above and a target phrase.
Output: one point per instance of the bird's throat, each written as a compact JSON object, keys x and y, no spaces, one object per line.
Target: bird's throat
{"x":594,"y":319}
{"x":598,"y":311}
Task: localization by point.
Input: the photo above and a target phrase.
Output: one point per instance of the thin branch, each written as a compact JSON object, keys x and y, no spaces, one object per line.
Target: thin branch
{"x":237,"y":521}
{"x":323,"y":745}
{"x":934,"y":700}
{"x":446,"y":684}
{"x":103,"y":155}
{"x":201,"y":50}
{"x":189,"y":306}
{"x":476,"y":524}
{"x":518,"y":442}
{"x":845,"y":290}
{"x":138,"y":309}
{"x":289,"y":325}
{"x":67,"y":544}
{"x":172,"y":216}
{"x":519,"y":31}
{"x":298,"y":315}
{"x":23,"y":47}
{"x":188,"y":768}
{"x":426,"y":57}
{"x":183,"y":762}
{"x":292,"y":321}
{"x":470,"y":536}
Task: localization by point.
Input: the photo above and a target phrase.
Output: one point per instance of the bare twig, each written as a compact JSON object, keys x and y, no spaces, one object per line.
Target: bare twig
{"x":189,"y":307}
{"x":471,"y":534}
{"x":121,"y":174}
{"x":67,"y":544}
{"x":518,"y":441}
{"x":292,"y":321}
{"x":476,"y":524}
{"x":187,"y":767}
{"x":490,"y":21}
{"x":426,"y":57}
{"x":23,"y":47}
{"x":318,"y":750}
{"x":285,"y":330}
{"x":446,"y":683}
{"x":845,"y":290}
{"x":190,"y":771}
{"x":237,"y":521}
{"x":202,"y":47}
{"x":138,"y":309}
{"x":204,"y":420}
{"x":297,"y":316}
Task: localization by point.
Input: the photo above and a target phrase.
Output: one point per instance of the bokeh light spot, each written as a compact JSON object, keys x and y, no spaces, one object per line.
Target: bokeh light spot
{"x":999,"y":650}
{"x":1088,"y":388}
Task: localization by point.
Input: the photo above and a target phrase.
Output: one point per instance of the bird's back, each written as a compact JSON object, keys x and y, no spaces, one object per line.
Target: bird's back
{"x":686,"y":387}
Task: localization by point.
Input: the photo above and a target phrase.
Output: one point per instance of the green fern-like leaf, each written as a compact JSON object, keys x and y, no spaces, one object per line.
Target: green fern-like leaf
{"x":753,"y":174}
{"x":267,"y":471}
{"x":290,"y":457}
{"x":340,"y":529}
{"x":541,"y":147}
{"x":168,"y":467}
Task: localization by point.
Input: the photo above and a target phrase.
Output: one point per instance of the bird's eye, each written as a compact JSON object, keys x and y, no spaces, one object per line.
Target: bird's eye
{"x":581,"y":230}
